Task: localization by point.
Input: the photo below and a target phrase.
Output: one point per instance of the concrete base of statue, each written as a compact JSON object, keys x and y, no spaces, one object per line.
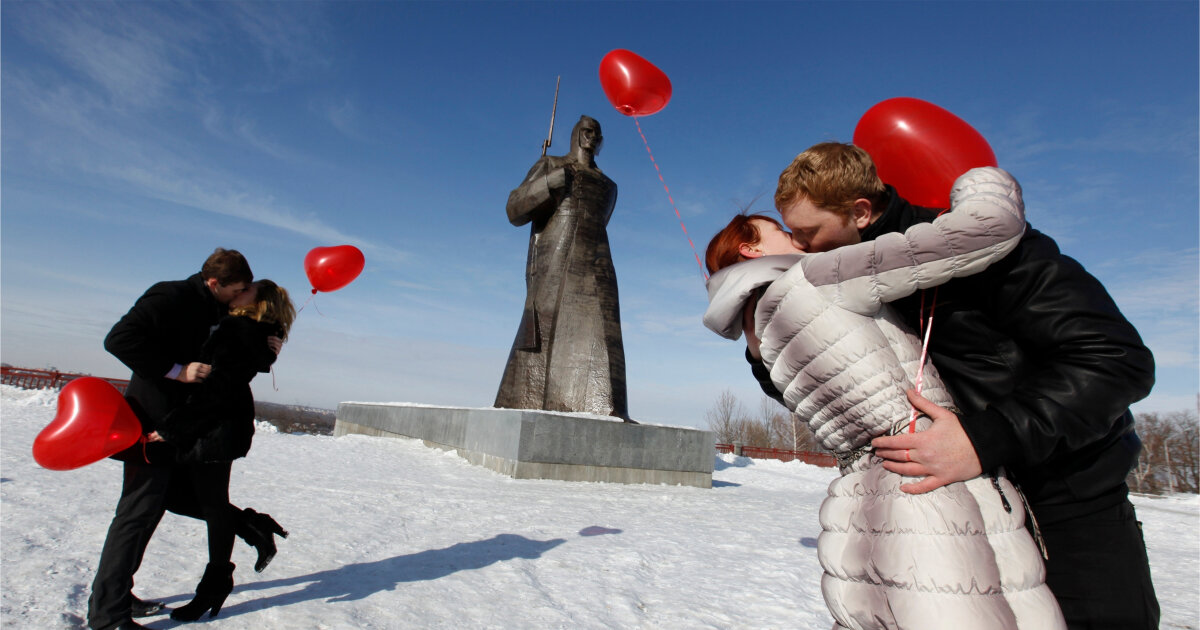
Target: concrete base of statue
{"x":531,"y":444}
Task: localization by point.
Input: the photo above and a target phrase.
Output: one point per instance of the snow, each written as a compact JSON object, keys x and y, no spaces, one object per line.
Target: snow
{"x":387,"y":533}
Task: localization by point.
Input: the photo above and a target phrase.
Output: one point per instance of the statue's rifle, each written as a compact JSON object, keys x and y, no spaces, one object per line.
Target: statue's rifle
{"x":553,"y":110}
{"x":527,"y":334}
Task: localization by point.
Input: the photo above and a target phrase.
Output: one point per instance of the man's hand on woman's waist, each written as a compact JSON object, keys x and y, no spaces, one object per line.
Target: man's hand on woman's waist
{"x":942,"y":454}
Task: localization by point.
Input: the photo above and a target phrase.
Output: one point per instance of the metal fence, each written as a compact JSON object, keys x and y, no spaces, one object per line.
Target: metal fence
{"x":47,"y":379}
{"x":824,"y":460}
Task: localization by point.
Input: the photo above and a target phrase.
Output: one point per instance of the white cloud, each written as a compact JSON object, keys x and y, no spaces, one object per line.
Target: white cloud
{"x":1156,"y":283}
{"x":244,"y":132}
{"x":218,"y":197}
{"x":1138,"y":130}
{"x":286,"y":36}
{"x":127,"y":153}
{"x":135,"y":56}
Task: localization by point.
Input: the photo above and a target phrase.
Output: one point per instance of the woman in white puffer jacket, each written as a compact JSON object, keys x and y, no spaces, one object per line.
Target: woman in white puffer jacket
{"x":958,"y":557}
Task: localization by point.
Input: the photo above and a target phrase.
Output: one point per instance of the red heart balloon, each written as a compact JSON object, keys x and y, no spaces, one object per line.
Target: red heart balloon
{"x":633,"y":85}
{"x":93,"y":422}
{"x":920,"y":148}
{"x":331,"y":268}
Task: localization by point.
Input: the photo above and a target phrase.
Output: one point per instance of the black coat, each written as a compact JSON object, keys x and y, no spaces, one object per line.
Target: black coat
{"x":168,"y":325}
{"x":1043,"y":365}
{"x":216,"y":424}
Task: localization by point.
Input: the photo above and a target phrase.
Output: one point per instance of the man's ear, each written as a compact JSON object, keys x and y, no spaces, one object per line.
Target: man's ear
{"x":746,"y":250}
{"x":861,"y":213}
{"x":211,"y":283}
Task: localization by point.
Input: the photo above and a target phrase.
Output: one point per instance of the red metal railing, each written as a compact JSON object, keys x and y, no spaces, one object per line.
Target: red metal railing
{"x":47,"y":379}
{"x":825,"y":460}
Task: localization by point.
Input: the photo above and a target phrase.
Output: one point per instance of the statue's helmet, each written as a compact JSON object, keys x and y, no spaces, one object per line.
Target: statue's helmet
{"x":587,"y":122}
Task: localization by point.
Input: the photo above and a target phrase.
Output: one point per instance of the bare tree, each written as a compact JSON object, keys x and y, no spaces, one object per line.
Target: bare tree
{"x":788,"y":431}
{"x":729,"y":420}
{"x":755,"y":433}
{"x":1170,"y":456}
{"x":775,"y":426}
{"x":725,"y":417}
{"x":778,"y":421}
{"x":1147,"y":472}
{"x":1182,"y":448}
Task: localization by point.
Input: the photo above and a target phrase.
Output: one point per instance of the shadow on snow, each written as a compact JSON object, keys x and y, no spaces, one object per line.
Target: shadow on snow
{"x":360,"y":580}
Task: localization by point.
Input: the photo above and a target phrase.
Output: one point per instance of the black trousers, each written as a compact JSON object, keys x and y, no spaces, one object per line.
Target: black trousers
{"x":1098,"y":569}
{"x":209,"y":489}
{"x":143,"y":493}
{"x":147,"y":490}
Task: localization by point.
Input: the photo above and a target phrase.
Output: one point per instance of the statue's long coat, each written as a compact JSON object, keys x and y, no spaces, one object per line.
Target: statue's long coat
{"x":568,"y":354}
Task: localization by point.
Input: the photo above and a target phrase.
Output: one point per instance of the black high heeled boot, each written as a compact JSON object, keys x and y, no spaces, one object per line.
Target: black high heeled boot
{"x":259,"y":531}
{"x":211,"y":592}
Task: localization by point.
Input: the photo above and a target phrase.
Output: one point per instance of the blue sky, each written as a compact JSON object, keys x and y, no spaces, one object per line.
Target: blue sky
{"x":136,"y":137}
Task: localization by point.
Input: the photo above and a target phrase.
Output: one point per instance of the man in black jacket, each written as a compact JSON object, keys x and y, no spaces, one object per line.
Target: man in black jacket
{"x":1043,"y":368}
{"x":160,"y":340}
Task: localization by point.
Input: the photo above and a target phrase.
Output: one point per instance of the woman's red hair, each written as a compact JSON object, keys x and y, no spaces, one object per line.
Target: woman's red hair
{"x":723,"y":248}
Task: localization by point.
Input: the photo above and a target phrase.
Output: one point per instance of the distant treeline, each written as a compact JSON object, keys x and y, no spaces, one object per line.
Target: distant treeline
{"x":295,"y":419}
{"x":1169,"y":461}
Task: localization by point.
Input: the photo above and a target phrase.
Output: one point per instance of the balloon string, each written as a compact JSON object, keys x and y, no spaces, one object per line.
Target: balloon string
{"x":928,"y":325}
{"x":311,"y":300}
{"x":671,"y":199}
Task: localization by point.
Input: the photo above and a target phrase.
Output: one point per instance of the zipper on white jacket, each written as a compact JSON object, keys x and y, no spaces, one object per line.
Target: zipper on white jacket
{"x":1037,"y":532}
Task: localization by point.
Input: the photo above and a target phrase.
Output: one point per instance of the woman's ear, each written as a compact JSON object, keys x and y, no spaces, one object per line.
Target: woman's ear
{"x":748,"y":250}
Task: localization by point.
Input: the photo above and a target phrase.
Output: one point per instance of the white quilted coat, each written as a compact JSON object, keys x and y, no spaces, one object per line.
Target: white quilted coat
{"x":956,"y":558}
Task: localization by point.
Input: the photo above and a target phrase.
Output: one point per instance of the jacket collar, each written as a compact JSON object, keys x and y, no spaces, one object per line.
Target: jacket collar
{"x":730,"y":288}
{"x":898,"y":216}
{"x":196,"y":282}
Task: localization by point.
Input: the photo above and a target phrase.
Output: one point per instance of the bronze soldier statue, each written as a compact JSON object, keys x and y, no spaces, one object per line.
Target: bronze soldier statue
{"x":568,"y":354}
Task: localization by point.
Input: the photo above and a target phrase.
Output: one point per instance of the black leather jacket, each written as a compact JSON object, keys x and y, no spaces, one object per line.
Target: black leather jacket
{"x":1042,"y":364}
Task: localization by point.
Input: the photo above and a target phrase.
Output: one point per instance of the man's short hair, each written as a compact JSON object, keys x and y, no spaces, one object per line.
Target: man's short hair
{"x":228,"y":266}
{"x":831,"y":175}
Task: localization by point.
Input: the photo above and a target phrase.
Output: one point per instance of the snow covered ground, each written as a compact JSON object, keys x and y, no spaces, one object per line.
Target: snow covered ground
{"x":390,"y":534}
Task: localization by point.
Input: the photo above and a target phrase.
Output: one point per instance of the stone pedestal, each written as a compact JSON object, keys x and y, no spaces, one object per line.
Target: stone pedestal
{"x":528,"y":444}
